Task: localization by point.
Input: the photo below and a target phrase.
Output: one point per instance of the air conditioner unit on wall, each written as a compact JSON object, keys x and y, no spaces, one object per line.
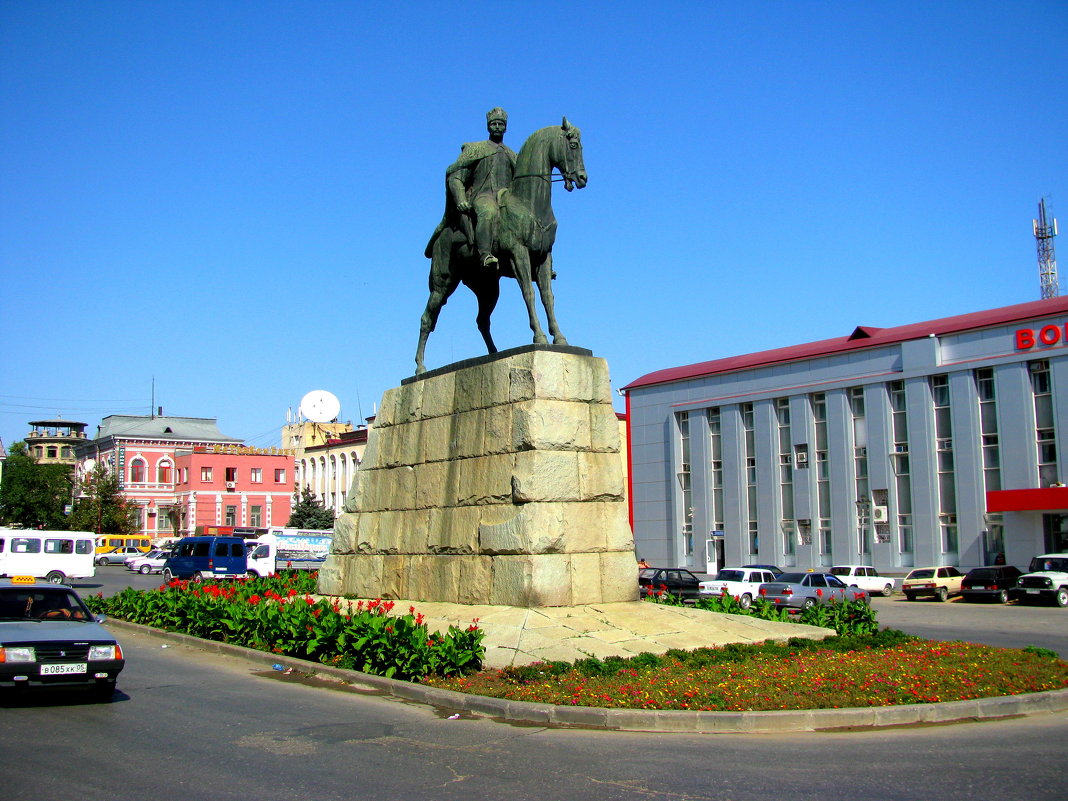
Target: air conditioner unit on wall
{"x":231,"y":484}
{"x":880,"y":514}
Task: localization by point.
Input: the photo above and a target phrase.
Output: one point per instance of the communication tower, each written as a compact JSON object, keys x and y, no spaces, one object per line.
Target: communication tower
{"x":1047,"y":256}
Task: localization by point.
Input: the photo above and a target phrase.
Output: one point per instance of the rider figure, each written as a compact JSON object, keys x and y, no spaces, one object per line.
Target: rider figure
{"x":475,"y":178}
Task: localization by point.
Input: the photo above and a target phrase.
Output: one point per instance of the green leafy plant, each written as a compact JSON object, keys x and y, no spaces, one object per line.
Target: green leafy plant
{"x":280,"y":615}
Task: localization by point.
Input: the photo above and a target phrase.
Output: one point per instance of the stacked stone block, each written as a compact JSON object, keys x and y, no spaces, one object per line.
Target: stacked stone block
{"x":497,"y":483}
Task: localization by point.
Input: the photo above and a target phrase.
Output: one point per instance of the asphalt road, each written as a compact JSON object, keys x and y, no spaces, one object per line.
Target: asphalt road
{"x":192,"y":725}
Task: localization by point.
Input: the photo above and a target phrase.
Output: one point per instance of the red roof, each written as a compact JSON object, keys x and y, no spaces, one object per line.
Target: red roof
{"x":862,"y":337}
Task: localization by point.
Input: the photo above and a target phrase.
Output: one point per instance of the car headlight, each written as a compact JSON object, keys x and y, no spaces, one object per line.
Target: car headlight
{"x":105,"y":651}
{"x":17,"y":654}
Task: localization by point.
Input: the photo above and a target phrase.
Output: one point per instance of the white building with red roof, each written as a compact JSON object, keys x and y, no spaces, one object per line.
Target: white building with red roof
{"x":941,"y":442}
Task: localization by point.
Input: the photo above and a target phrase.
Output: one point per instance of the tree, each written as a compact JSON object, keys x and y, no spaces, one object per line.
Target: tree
{"x":309,"y":512}
{"x":34,"y":495}
{"x":101,"y":506}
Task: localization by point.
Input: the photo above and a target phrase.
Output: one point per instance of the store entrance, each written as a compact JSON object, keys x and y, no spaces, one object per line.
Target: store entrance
{"x":1055,"y":531}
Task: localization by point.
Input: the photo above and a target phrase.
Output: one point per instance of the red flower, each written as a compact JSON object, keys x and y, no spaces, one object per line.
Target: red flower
{"x":763,"y":590}
{"x":253,"y":600}
{"x":819,"y":593}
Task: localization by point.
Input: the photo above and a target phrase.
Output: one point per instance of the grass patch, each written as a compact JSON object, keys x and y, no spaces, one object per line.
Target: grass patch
{"x":884,"y":669}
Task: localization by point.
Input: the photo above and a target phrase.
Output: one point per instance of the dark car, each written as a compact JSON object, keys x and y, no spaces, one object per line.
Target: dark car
{"x":776,"y":570}
{"x":994,"y":583}
{"x":675,"y":581}
{"x":49,"y":638}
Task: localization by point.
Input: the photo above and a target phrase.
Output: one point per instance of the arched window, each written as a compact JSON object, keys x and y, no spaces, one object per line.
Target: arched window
{"x":137,"y":471}
{"x":164,"y":472}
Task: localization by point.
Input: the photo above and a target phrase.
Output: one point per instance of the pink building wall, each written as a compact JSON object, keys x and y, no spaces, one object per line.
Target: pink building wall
{"x":233,"y":486}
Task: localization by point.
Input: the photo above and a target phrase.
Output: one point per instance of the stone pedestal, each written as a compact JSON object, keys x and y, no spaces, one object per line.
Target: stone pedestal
{"x":496,"y":481}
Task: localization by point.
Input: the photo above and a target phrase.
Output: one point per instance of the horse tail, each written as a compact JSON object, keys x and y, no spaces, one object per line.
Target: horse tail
{"x":429,"y":250}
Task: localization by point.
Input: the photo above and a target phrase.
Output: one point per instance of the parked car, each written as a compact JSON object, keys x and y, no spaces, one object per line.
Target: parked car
{"x":675,"y":581}
{"x":995,"y":583}
{"x":151,"y":562}
{"x":804,"y":590}
{"x":743,"y":583}
{"x":776,"y":570}
{"x":49,"y":638}
{"x":938,"y":582}
{"x":1046,"y":579}
{"x":118,"y":556}
{"x":866,"y":577}
{"x":206,"y":558}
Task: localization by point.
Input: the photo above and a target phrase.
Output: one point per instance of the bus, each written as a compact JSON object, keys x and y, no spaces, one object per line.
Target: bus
{"x":54,"y":556}
{"x":109,"y":542}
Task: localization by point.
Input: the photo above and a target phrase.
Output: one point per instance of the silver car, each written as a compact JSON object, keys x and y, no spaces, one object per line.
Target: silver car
{"x":805,"y":590}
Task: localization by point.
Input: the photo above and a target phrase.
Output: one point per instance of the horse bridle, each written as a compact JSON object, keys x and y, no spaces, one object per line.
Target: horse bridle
{"x":568,"y":173}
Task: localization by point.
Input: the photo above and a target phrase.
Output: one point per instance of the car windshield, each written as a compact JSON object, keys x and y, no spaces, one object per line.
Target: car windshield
{"x":840,"y":571}
{"x":790,"y":578}
{"x":925,"y":572}
{"x":41,"y":603}
{"x":648,"y":573}
{"x":1049,"y":563}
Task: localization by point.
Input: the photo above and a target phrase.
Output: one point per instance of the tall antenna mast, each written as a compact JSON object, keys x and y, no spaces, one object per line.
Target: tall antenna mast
{"x":1047,"y":256}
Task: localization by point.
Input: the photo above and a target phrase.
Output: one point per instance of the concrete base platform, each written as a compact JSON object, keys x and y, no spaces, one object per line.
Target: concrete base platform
{"x":520,"y":636}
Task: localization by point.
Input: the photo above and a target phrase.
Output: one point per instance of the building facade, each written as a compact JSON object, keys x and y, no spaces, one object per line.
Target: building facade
{"x":328,"y":468}
{"x":940,"y":442}
{"x":232,"y":485}
{"x":142,"y":450}
{"x":54,"y":441}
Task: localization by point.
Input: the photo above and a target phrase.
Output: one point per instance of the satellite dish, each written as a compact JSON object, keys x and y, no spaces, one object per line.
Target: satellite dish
{"x":320,"y":406}
{"x":90,"y":465}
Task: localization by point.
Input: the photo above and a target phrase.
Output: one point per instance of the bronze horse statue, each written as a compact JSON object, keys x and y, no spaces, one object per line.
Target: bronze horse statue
{"x":523,"y":245}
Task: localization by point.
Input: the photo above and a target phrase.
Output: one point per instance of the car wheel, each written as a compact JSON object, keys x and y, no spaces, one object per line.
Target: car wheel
{"x":144,"y":570}
{"x":942,"y":594}
{"x":888,"y":590}
{"x":55,"y":577}
{"x":101,"y":562}
{"x":1061,"y":598}
{"x":808,"y":603}
{"x":910,"y":596}
{"x":198,"y":578}
{"x":1003,"y":597}
{"x":745,"y":601}
{"x":168,"y":576}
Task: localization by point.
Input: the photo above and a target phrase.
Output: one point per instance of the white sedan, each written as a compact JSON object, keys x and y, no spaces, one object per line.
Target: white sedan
{"x":742,"y":583}
{"x":865,"y":577}
{"x":151,"y":562}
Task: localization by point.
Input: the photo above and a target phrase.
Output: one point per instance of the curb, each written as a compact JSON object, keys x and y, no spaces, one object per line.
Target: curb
{"x":651,"y":720}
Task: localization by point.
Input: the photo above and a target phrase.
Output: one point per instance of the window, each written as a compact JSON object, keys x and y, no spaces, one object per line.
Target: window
{"x":947,"y":491}
{"x":84,"y":546}
{"x":137,"y":471}
{"x":255,"y":515}
{"x":715,"y":514}
{"x":231,"y":516}
{"x":163,"y":473}
{"x":25,"y":545}
{"x":231,"y":474}
{"x":53,"y":453}
{"x":59,"y":546}
{"x":683,"y":421}
{"x":205,"y":474}
{"x":280,"y":475}
{"x":256,"y":475}
{"x":1045,"y":434}
{"x":185,"y":475}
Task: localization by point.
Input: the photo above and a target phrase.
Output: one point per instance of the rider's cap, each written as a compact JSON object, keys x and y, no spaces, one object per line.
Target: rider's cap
{"x":497,"y":113}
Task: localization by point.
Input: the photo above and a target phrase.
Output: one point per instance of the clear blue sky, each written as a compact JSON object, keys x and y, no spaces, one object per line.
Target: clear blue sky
{"x":233,"y":198}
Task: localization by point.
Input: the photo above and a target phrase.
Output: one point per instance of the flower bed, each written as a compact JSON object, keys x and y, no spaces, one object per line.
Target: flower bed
{"x":280,"y":615}
{"x":889,"y":668}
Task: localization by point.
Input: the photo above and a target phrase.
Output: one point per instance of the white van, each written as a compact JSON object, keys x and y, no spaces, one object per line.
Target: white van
{"x":52,"y":555}
{"x":293,"y":548}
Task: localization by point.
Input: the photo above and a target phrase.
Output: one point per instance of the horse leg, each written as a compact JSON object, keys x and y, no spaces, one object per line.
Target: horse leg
{"x":488,"y":290}
{"x":544,"y":279}
{"x":521,"y":264}
{"x":442,"y":284}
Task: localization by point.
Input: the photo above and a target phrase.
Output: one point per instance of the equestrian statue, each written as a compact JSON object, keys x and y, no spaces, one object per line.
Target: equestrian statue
{"x":498,"y":222}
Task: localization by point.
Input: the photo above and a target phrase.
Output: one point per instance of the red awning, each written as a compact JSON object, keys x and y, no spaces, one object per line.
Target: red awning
{"x":1046,"y":499}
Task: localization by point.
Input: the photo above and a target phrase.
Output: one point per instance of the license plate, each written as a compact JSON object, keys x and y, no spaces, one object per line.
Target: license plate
{"x":59,"y":670}
{"x":977,"y":587}
{"x":1032,"y":592}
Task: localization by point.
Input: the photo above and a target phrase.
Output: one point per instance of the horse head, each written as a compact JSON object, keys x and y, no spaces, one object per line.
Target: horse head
{"x":567,"y":156}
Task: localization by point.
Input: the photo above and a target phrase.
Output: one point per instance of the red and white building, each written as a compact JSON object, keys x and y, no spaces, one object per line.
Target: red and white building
{"x":145,"y":451}
{"x":233,"y":485}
